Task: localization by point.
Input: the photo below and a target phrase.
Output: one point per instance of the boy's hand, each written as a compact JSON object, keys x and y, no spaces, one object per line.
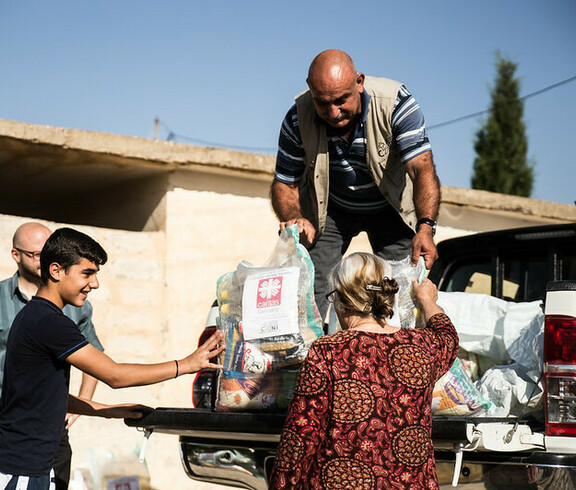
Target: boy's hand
{"x":97,"y":409}
{"x":125,"y":411}
{"x":200,"y":358}
{"x":70,"y":419}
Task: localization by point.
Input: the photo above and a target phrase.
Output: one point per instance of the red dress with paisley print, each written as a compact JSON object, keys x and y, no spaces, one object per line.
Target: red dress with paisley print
{"x":360,"y":417}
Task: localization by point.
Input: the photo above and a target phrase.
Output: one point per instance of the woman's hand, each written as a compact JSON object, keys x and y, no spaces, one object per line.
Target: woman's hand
{"x":426,"y":296}
{"x":425,"y":292}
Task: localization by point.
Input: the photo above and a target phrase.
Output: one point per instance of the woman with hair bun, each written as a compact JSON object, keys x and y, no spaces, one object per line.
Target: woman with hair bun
{"x":360,"y":416}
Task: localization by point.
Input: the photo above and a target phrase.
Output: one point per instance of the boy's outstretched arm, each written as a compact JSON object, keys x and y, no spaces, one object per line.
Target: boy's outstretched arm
{"x":121,"y":375}
{"x":89,"y":407}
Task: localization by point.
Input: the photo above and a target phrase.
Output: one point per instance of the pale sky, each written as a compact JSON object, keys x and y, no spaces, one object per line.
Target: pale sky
{"x":223,"y":73}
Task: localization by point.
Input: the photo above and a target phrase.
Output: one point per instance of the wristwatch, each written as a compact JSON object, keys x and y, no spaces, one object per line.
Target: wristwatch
{"x":426,"y":221}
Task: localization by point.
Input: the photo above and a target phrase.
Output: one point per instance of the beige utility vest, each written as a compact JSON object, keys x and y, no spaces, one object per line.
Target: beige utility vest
{"x":382,"y":157}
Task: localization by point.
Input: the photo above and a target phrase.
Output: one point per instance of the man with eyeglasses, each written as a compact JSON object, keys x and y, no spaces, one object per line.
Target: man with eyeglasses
{"x":15,"y":292}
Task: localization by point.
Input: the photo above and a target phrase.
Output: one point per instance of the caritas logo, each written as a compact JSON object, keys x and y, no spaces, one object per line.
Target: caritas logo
{"x":269,"y":292}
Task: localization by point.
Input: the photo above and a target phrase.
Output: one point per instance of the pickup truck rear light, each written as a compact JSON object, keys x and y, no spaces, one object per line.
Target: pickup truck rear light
{"x":560,"y":359}
{"x":202,"y":387}
{"x":205,"y":379}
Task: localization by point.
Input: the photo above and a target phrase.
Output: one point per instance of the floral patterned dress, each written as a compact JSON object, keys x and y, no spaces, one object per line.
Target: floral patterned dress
{"x":360,"y":417}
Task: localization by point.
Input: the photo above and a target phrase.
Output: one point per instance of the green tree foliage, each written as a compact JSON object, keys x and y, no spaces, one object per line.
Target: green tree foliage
{"x":501,"y":145}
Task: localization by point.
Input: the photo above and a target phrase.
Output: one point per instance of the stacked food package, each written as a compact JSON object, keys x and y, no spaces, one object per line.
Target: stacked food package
{"x":269,"y":319}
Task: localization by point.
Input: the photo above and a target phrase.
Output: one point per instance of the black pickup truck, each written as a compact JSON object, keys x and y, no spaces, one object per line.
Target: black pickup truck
{"x":524,"y":452}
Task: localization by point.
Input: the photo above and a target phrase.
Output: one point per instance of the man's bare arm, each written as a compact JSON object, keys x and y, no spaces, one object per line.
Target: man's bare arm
{"x":426,"y":184}
{"x":285,"y":199}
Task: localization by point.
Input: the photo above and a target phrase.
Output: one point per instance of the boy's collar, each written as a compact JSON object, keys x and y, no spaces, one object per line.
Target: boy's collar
{"x":47,"y":301}
{"x":48,"y":294}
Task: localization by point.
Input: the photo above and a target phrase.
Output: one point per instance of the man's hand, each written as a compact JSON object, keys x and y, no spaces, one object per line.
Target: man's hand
{"x":286,"y":204}
{"x":305,"y":228}
{"x":423,"y":245}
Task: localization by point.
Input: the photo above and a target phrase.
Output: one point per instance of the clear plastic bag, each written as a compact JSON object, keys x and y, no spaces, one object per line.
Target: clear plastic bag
{"x":406,"y":313}
{"x":268,"y":314}
{"x":269,"y":318}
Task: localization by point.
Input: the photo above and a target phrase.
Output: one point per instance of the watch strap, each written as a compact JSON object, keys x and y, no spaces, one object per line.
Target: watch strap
{"x":426,"y":221}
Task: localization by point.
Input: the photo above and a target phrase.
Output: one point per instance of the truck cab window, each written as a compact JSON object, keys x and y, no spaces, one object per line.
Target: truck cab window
{"x":471,"y":277}
{"x":525,"y":278}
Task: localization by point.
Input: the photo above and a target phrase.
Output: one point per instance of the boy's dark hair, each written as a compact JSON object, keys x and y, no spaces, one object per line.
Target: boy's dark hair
{"x":68,"y":247}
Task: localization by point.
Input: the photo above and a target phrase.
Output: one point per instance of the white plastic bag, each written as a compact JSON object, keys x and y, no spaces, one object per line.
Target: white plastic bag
{"x":511,"y":334}
{"x":511,"y":391}
{"x":491,"y":326}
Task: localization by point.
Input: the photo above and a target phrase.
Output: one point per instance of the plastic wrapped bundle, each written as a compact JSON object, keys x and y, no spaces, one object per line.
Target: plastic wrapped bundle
{"x":455,"y":394}
{"x":269,"y":319}
{"x":406,"y":314}
{"x":255,"y":392}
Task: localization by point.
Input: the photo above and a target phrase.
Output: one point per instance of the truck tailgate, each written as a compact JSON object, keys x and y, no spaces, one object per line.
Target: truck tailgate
{"x":197,"y":422}
{"x":237,"y":448}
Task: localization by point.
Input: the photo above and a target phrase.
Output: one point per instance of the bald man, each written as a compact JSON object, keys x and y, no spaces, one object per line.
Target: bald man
{"x":353,"y":156}
{"x":15,"y":292}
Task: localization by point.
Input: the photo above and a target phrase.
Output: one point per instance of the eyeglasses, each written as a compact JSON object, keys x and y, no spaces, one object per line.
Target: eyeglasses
{"x":330,"y":296}
{"x":29,"y":254}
